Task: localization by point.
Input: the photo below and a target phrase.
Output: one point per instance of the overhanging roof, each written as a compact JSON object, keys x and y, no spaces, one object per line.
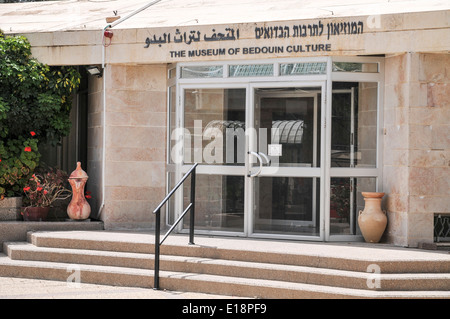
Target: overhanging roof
{"x":70,"y":15}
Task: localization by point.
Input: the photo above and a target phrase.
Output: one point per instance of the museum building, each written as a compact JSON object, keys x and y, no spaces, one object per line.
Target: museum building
{"x":291,"y":108}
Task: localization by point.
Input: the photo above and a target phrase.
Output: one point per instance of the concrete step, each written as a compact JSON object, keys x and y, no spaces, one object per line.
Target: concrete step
{"x":194,"y":282}
{"x":239,"y":267}
{"x":255,"y":270}
{"x":360,"y":257}
{"x":18,"y":230}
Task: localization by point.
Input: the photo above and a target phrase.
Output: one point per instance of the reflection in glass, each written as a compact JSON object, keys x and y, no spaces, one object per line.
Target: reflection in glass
{"x":354,"y":124}
{"x":292,"y":116}
{"x":214,"y":126}
{"x":303,"y":68}
{"x":219,"y":202}
{"x":355,"y":67}
{"x":346,"y":201}
{"x":246,"y":70}
{"x":172,"y":118}
{"x":287,"y":205}
{"x":191,"y":72}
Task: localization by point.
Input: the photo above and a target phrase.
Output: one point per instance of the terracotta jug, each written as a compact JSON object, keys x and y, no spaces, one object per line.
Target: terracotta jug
{"x":78,"y":208}
{"x":372,"y":220}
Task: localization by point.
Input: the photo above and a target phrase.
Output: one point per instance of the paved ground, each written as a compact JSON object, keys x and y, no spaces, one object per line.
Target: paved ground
{"x":20,"y":288}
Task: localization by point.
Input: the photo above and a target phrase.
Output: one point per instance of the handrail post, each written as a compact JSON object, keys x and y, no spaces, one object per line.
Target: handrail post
{"x":157,"y":239}
{"x":157,"y":211}
{"x":192,"y":212}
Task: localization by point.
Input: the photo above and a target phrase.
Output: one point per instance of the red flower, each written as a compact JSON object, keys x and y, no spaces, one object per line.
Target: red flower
{"x":39,"y":189}
{"x":26,"y":189}
{"x":27,"y":149}
{"x":88,"y":196}
{"x":32,"y":133}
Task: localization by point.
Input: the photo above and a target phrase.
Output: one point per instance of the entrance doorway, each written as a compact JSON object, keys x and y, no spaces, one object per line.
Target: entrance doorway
{"x":260,"y":152}
{"x":285,"y":149}
{"x":286,"y":192}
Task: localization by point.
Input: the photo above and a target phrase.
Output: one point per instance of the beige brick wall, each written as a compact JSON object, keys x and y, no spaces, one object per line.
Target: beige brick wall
{"x":135,"y":144}
{"x":416,"y":174}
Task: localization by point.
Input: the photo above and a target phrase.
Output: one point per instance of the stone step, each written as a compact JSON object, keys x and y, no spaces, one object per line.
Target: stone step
{"x":18,"y":230}
{"x":352,"y":257}
{"x":182,"y":281}
{"x":234,"y":266}
{"x":255,"y":270}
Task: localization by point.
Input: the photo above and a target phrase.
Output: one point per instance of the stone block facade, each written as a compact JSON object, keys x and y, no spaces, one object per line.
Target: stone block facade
{"x":416,"y":173}
{"x":10,"y":208}
{"x":128,"y":107}
{"x":135,"y":140}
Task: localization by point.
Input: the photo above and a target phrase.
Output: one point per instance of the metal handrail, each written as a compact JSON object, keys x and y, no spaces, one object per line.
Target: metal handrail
{"x":157,"y":211}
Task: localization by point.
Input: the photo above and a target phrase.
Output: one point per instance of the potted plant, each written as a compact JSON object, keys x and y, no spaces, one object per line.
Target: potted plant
{"x":43,"y":189}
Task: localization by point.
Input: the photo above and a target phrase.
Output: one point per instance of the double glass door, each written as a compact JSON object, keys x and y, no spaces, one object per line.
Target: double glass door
{"x":260,"y":150}
{"x":285,"y":147}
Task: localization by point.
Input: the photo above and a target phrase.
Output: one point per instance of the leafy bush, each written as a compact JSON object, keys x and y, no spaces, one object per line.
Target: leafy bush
{"x":35,"y":104}
{"x":19,"y":158}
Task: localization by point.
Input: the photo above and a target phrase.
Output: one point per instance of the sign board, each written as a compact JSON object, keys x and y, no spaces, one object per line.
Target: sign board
{"x":253,"y":41}
{"x":274,"y":149}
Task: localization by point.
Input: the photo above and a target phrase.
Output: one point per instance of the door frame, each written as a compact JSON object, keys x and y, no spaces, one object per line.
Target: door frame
{"x":315,"y":172}
{"x":235,"y":170}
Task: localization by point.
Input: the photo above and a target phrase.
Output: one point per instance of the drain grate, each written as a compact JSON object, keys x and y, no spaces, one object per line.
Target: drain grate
{"x":441,"y":228}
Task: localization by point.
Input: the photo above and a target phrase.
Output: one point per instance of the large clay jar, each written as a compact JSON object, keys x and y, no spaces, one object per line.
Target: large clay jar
{"x":79,"y":208}
{"x":372,"y":220}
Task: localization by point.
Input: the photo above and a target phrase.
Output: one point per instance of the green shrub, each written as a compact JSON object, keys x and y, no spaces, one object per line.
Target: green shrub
{"x":35,"y":104}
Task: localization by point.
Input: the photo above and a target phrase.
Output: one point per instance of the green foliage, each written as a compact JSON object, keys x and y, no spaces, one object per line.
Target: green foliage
{"x":19,"y":158}
{"x":36,"y":98}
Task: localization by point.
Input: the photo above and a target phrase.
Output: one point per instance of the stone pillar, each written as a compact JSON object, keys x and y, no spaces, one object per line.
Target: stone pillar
{"x":416,"y":151}
{"x":135,"y":176}
{"x":10,"y":208}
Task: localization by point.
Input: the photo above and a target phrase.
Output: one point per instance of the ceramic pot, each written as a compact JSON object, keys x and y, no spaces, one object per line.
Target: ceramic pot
{"x":79,"y":208}
{"x":372,"y":220}
{"x":35,"y":214}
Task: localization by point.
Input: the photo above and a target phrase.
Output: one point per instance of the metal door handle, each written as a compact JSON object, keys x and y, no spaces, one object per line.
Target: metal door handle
{"x":260,"y":164}
{"x":268,"y":161}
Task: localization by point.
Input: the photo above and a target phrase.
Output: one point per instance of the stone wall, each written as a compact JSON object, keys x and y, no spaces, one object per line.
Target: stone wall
{"x":416,"y":175}
{"x":135,"y":176}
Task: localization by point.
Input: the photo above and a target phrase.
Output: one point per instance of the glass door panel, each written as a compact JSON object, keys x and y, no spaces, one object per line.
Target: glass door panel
{"x":214,"y":137}
{"x":354,"y":125}
{"x":214,"y":124}
{"x":292,"y":122}
{"x":286,"y":188}
{"x":346,"y":201}
{"x":354,"y":154}
{"x":287,"y":206}
{"x":219,"y":203}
